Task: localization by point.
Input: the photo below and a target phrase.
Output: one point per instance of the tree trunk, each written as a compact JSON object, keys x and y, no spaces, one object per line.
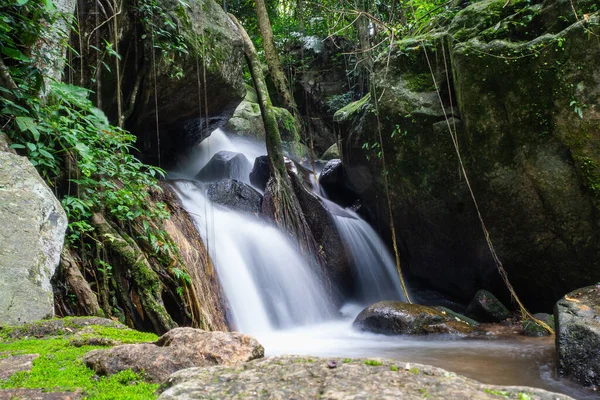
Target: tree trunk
{"x":84,"y":301}
{"x":275,"y":68}
{"x":280,"y":202}
{"x":364,"y":59}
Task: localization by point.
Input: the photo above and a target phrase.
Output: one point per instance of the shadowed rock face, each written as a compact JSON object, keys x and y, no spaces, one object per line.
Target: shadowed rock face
{"x":31,"y":239}
{"x":577,"y":317}
{"x":532,"y":160}
{"x":177,"y":349}
{"x":396,"y":318}
{"x":295,"y":377}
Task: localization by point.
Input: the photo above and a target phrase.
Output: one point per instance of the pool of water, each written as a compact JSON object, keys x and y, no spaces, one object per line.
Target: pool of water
{"x":503,"y":357}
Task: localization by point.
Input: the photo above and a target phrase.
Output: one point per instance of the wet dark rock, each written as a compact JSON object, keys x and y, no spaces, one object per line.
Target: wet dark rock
{"x":260,"y":172}
{"x":485,"y":307}
{"x":577,"y":318}
{"x":14,"y":364}
{"x":225,"y":165}
{"x":293,"y":377}
{"x":456,"y":316}
{"x":334,"y":182}
{"x":399,"y":318}
{"x":531,"y":328}
{"x":177,"y":349}
{"x":235,"y":195}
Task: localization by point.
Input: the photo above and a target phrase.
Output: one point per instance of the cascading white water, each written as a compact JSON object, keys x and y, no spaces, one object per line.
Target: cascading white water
{"x":267,"y":282}
{"x":374,"y":268}
{"x":268,"y":286}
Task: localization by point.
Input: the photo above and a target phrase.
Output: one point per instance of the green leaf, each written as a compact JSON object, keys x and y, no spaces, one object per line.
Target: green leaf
{"x":22,"y":2}
{"x":15,"y":54}
{"x":31,"y":146}
{"x":17,"y":146}
{"x":28,"y":124}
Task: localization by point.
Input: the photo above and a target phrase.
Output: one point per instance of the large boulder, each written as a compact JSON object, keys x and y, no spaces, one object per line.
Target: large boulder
{"x":577,"y":317}
{"x":225,"y":165}
{"x":177,"y":349}
{"x":513,"y":83}
{"x":235,"y":195}
{"x":288,"y":377}
{"x":31,"y":240}
{"x":398,"y":318}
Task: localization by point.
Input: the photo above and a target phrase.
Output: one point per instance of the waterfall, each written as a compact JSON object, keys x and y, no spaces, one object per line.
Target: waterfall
{"x":266,"y":281}
{"x":372,"y":264}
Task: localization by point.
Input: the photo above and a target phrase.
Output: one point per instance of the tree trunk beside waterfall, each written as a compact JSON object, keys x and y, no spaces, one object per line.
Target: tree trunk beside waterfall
{"x":279,"y":202}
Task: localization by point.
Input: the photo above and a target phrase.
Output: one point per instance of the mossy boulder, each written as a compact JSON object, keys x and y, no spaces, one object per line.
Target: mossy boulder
{"x":331,"y":153}
{"x":520,"y":89}
{"x":399,"y":318}
{"x":577,"y":317}
{"x":485,"y":307}
{"x":532,"y":328}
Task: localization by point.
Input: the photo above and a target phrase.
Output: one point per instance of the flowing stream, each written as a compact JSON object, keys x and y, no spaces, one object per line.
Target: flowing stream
{"x":275,"y":295}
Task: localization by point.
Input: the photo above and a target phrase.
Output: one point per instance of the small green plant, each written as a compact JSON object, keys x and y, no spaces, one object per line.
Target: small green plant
{"x":373,"y":363}
{"x":393,"y":368}
{"x":347,"y":360}
{"x":414,"y":370}
{"x":577,"y":107}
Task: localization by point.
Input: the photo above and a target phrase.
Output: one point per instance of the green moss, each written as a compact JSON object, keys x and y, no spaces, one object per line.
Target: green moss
{"x":60,"y":368}
{"x":351,"y":109}
{"x":419,"y":82}
{"x":373,"y":363}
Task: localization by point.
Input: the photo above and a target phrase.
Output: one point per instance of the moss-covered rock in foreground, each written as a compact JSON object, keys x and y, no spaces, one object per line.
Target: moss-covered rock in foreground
{"x":59,"y":367}
{"x":335,"y":378}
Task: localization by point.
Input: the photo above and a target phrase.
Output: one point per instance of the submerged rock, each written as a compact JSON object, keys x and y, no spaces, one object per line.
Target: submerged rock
{"x":485,"y":307}
{"x":292,"y":377}
{"x":577,"y":318}
{"x":32,"y":235}
{"x":177,"y":349}
{"x":396,"y":318}
{"x":225,"y":165}
{"x":235,"y":195}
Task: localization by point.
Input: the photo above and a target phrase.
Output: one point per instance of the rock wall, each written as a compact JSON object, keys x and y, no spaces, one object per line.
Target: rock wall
{"x":31,"y":239}
{"x":520,"y":87}
{"x":167,"y":102}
